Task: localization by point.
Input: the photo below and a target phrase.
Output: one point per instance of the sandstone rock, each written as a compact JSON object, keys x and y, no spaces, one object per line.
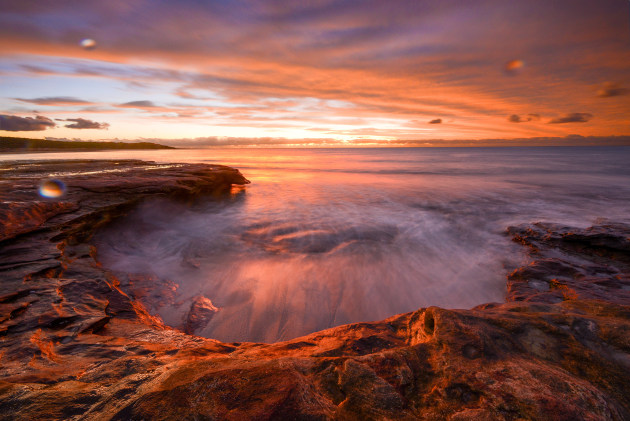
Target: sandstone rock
{"x":201,"y":312}
{"x":77,"y":342}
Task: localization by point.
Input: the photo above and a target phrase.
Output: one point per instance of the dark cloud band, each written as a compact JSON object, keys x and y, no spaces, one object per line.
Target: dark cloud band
{"x":138,"y":104}
{"x":55,"y":100}
{"x":82,"y":123}
{"x":12,"y":123}
{"x":515,"y":118}
{"x":572,"y":118}
{"x":610,"y":89}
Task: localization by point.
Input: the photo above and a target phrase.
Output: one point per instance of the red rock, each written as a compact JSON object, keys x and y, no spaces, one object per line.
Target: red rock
{"x":78,"y":342}
{"x":201,"y":312}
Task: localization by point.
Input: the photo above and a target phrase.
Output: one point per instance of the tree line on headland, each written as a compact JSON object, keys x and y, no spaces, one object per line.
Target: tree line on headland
{"x":20,"y":144}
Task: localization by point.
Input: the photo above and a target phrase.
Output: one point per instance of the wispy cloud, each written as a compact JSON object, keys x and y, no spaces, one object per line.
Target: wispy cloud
{"x":222,"y":141}
{"x":55,"y":101}
{"x":219,"y":141}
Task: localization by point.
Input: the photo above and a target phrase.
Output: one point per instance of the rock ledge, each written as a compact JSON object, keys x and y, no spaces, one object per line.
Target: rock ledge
{"x":75,"y":345}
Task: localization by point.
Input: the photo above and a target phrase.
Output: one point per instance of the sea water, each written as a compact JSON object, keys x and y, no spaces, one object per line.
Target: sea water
{"x":324,"y":237}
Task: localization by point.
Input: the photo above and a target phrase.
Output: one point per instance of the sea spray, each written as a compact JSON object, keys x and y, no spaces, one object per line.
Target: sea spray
{"x":323,"y":238}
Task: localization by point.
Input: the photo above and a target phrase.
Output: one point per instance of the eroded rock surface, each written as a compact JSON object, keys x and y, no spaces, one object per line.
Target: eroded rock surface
{"x":592,"y":263}
{"x":78,"y":343}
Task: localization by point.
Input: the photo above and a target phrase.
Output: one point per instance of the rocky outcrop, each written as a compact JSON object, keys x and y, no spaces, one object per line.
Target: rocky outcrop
{"x":587,"y":264}
{"x":201,"y":312}
{"x":77,"y":343}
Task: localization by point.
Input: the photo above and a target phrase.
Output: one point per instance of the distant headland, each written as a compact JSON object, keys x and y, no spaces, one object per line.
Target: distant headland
{"x":21,"y":144}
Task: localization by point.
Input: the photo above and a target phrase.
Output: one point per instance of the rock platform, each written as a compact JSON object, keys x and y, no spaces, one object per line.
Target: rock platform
{"x":76,"y":343}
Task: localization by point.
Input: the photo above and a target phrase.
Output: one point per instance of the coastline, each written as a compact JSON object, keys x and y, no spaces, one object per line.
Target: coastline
{"x":54,"y":150}
{"x":76,"y":342}
{"x":10,"y":145}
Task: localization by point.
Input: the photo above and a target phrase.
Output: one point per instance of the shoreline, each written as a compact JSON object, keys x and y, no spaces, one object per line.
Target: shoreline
{"x":85,"y":346}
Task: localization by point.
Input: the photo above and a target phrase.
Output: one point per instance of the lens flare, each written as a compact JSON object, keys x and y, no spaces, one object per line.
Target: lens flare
{"x":514,"y":66}
{"x":52,"y":189}
{"x":88,"y":44}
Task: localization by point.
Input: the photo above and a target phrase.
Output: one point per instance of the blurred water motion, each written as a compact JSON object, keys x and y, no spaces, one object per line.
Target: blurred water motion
{"x":52,"y":189}
{"x":326,"y":237}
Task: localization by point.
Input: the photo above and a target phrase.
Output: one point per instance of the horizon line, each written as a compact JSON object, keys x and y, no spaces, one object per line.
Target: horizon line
{"x":211,"y":142}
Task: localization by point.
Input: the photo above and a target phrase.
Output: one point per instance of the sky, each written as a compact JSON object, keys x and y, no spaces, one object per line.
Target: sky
{"x":313,"y":73}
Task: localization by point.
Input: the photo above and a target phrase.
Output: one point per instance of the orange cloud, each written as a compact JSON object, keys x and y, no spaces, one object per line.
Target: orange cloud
{"x":332,"y":67}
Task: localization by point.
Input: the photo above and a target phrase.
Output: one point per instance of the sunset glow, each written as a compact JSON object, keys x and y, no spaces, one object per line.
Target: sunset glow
{"x":322,"y":73}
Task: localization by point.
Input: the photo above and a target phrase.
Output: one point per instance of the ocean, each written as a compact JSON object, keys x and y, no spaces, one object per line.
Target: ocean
{"x":324,"y":237}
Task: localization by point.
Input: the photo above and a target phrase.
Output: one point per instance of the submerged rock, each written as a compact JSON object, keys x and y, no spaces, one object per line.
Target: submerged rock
{"x":77,"y":342}
{"x":201,"y":312}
